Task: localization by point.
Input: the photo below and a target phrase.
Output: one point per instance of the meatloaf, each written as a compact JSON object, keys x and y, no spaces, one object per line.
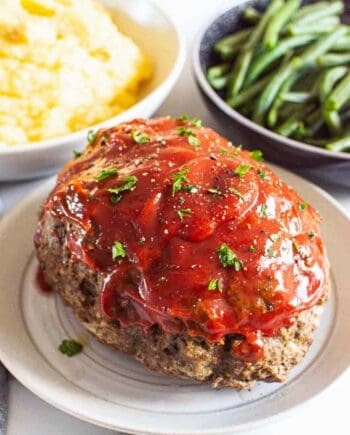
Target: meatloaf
{"x":179,"y":248}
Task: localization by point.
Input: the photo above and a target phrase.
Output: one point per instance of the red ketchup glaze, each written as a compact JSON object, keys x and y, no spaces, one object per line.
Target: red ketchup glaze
{"x":171,"y":259}
{"x":42,"y":284}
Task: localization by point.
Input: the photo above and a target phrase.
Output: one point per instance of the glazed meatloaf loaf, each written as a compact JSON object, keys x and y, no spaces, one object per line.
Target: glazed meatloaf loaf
{"x":177,"y":247}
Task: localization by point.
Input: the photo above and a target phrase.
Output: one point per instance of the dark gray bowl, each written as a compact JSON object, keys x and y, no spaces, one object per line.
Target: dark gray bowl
{"x":313,"y":162}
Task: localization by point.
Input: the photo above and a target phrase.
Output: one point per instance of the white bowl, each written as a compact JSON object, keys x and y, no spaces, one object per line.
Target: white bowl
{"x":158,"y":37}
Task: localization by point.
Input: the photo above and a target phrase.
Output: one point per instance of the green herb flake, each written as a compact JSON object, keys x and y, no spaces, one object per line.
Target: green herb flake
{"x":311,"y":234}
{"x":179,"y":178}
{"x":257,"y":155}
{"x":118,"y":250}
{"x":215,"y":284}
{"x":194,"y":141}
{"x":303,"y":205}
{"x":271,"y":252}
{"x":263,"y":174}
{"x":237,"y":193}
{"x":139,"y":137}
{"x":77,"y":154}
{"x":242,"y":170}
{"x":106,"y":173}
{"x":214,"y":191}
{"x":228,"y":258}
{"x":275,"y":237}
{"x":190,"y":188}
{"x":70,"y":347}
{"x":184,"y":212}
{"x":91,"y":136}
{"x":196,"y":122}
{"x":129,"y":183}
{"x":253,"y":248}
{"x":182,"y":118}
{"x":263,"y":210}
{"x":191,"y":136}
{"x":232,"y":153}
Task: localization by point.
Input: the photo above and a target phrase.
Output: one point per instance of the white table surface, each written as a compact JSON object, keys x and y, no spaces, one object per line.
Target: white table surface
{"x":325,"y":414}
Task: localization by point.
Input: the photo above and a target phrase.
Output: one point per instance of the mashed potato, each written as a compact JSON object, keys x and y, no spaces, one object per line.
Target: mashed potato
{"x":63,"y":66}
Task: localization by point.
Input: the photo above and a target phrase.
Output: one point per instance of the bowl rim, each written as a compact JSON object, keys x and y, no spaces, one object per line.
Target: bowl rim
{"x":232,"y":113}
{"x":167,"y":82}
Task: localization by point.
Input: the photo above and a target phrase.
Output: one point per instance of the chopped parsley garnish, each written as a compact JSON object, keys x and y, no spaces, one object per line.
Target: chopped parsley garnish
{"x":129,"y":183}
{"x":236,"y":192}
{"x":91,"y":136}
{"x":179,"y":178}
{"x":70,"y":347}
{"x":302,"y":206}
{"x":253,"y":248}
{"x":228,"y":258}
{"x":257,"y":155}
{"x":118,"y":250}
{"x":215,"y":284}
{"x":190,"y":188}
{"x":105,"y":137}
{"x":194,"y":141}
{"x":271,"y":252}
{"x":106,"y":173}
{"x":139,"y":137}
{"x":242,"y":170}
{"x":184,"y":212}
{"x":263,"y":210}
{"x":77,"y":154}
{"x":274,"y":237}
{"x":196,"y":122}
{"x":232,"y":153}
{"x":214,"y":191}
{"x":182,"y":118}
{"x":263,"y":174}
{"x":191,"y":136}
{"x":311,"y":234}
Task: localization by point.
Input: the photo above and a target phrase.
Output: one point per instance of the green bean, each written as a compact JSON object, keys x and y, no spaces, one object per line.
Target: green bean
{"x":268,"y":95}
{"x":329,"y":79}
{"x":324,"y":26}
{"x":322,"y":45}
{"x":297,"y":97}
{"x":229,"y":45}
{"x":277,"y":22}
{"x":306,"y":59}
{"x":339,"y":96}
{"x":217,"y":75}
{"x":333,"y":121}
{"x":310,"y":8}
{"x":265,"y":60}
{"x":318,"y":11}
{"x":342,"y":144}
{"x":273,"y":115}
{"x":331,"y":59}
{"x":288,"y":127}
{"x":244,"y":58}
{"x":291,"y":124}
{"x":343,"y":44}
{"x":251,"y":15}
{"x":248,"y":94}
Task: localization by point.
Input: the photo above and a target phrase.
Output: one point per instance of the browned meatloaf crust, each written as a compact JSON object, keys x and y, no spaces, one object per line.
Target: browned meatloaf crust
{"x":175,"y":354}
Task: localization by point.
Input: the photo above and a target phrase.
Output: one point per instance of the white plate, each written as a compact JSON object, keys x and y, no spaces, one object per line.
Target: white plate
{"x":112,"y":390}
